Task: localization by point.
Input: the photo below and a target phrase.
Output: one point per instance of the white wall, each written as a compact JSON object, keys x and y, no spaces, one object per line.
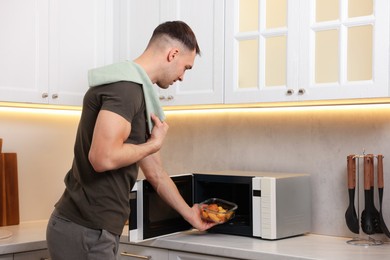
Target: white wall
{"x":315,"y":141}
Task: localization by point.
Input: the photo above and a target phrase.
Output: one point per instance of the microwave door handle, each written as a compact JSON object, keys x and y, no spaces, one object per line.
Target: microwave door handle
{"x":136,"y":256}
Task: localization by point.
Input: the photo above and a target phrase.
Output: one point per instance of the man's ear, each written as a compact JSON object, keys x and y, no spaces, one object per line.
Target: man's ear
{"x":172,"y":54}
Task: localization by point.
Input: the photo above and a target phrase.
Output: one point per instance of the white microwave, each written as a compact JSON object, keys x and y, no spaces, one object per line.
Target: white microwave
{"x":270,"y":205}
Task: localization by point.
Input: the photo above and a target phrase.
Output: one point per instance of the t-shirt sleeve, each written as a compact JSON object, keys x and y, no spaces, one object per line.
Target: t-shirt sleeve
{"x":123,"y":98}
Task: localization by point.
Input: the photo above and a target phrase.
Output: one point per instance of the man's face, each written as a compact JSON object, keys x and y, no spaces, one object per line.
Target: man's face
{"x":177,"y":66}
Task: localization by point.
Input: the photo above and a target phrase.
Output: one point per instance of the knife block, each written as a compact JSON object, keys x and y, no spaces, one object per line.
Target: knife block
{"x":361,"y":239}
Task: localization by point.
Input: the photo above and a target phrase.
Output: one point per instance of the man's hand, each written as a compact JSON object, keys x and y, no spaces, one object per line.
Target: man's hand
{"x":159,"y":132}
{"x":197,"y":222}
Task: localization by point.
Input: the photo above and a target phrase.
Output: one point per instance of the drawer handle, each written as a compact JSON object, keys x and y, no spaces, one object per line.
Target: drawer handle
{"x":136,"y":256}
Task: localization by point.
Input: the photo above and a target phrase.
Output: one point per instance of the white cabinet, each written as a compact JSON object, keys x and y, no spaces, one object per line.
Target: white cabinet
{"x":33,"y":255}
{"x":176,"y":255}
{"x":204,"y":83}
{"x":80,"y":39}
{"x":47,"y":48}
{"x":24,"y":50}
{"x":135,"y":252}
{"x":279,"y":50}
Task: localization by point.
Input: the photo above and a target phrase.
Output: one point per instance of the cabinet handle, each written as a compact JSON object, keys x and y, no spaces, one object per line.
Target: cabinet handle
{"x":290,"y":92}
{"x":45,"y":95}
{"x":170,"y":97}
{"x":54,"y":96}
{"x":136,"y":256}
{"x":301,"y":91}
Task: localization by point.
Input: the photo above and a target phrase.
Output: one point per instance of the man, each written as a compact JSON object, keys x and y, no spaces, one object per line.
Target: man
{"x":121,"y":127}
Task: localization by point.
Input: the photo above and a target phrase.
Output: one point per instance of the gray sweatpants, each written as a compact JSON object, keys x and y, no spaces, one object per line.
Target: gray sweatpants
{"x":67,"y":240}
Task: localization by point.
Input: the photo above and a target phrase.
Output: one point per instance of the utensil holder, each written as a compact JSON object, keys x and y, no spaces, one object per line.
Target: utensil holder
{"x":361,"y":239}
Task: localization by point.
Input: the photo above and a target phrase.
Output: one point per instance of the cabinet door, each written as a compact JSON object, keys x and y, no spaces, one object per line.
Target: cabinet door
{"x":204,"y":83}
{"x":135,"y":252}
{"x":80,"y":39}
{"x":24,"y":50}
{"x":262,"y":45}
{"x":176,"y":255}
{"x":33,"y":255}
{"x":6,"y":257}
{"x":345,"y":49}
{"x":135,"y":22}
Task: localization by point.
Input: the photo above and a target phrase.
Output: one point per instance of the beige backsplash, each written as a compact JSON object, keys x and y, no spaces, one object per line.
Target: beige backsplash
{"x":315,"y":141}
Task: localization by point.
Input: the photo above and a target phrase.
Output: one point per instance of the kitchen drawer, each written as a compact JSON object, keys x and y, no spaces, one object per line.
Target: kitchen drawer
{"x":135,"y":252}
{"x":33,"y":255}
{"x":177,"y":255}
{"x":6,"y":257}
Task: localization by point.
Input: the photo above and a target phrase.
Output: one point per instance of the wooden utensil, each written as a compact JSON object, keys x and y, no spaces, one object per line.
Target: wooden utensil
{"x":9,"y":193}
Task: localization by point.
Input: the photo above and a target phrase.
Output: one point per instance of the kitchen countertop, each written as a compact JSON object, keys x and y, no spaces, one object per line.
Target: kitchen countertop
{"x":31,"y":236}
{"x":300,"y":247}
{"x":26,"y":236}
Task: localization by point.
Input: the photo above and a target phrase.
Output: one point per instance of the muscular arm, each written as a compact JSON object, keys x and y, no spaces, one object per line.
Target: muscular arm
{"x":167,"y":190}
{"x":108,"y":151}
{"x":108,"y":148}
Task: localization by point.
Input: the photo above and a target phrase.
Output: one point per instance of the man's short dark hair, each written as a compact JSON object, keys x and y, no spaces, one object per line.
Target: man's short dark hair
{"x":180,"y":31}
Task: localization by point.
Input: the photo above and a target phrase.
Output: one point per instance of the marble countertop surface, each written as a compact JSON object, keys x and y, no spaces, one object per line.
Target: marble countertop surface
{"x":26,"y":236}
{"x":309,"y":246}
{"x":29,"y":236}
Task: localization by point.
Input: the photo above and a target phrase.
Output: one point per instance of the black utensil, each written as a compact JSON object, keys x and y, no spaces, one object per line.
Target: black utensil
{"x":380,"y":192}
{"x":368,"y":220}
{"x":375,"y":212}
{"x":350,"y":215}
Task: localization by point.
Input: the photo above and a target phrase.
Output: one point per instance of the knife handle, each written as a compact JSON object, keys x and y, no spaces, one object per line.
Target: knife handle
{"x":351,"y":170}
{"x":380,"y":171}
{"x":367,"y":175}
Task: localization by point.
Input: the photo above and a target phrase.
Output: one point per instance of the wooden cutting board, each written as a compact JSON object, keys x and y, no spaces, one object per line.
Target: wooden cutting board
{"x":9,"y":193}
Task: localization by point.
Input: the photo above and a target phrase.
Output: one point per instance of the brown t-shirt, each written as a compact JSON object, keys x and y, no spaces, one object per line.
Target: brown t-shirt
{"x":101,"y":200}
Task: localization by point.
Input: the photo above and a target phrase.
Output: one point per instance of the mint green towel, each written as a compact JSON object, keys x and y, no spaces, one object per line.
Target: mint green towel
{"x":129,"y":71}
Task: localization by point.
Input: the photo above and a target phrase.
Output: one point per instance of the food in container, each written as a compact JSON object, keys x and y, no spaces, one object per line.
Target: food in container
{"x":217,"y":210}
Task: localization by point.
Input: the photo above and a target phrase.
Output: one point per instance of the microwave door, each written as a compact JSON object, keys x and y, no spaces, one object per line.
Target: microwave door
{"x":154,"y":216}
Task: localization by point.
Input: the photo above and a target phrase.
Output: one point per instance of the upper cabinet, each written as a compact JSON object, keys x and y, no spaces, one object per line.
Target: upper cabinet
{"x":24,"y":50}
{"x":204,"y":83}
{"x":47,"y":47}
{"x":81,"y":38}
{"x":251,"y":50}
{"x":279,"y":50}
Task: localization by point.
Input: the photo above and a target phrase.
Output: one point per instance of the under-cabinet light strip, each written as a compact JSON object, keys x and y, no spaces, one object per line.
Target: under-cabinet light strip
{"x":76,"y":111}
{"x":280,"y":109}
{"x":44,"y":111}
